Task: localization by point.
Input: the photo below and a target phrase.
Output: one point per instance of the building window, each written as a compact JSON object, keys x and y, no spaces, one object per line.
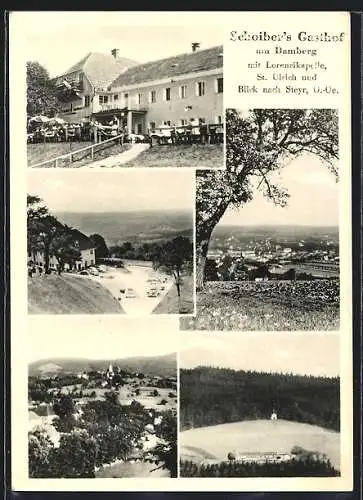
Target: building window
{"x":152,"y":125}
{"x":167,"y":94}
{"x":219,"y":85}
{"x":183,"y":91}
{"x":139,"y":98}
{"x":103,"y":99}
{"x":219,"y":119}
{"x":152,"y":96}
{"x":168,"y":123}
{"x":87,"y":101}
{"x":115,"y":97}
{"x":200,"y":88}
{"x":183,"y":122}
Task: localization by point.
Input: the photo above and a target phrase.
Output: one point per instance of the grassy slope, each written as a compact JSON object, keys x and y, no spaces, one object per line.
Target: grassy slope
{"x":259,"y":436}
{"x":169,"y":304}
{"x":266,"y":306}
{"x":127,"y":469}
{"x":42,"y":152}
{"x":194,"y":155}
{"x":69,"y":295}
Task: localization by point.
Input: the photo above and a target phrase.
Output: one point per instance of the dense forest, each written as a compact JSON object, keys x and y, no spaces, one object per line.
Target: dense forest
{"x":211,"y":396}
{"x":295,"y":468}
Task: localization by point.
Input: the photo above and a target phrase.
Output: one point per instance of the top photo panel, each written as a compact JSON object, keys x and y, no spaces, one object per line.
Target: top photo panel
{"x":124,"y":96}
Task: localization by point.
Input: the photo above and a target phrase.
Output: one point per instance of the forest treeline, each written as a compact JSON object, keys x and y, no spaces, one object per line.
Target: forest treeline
{"x":211,"y":396}
{"x":295,"y":468}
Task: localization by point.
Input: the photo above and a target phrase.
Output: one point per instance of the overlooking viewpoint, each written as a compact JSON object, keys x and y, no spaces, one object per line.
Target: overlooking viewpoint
{"x":267,"y":228}
{"x":110,"y":245}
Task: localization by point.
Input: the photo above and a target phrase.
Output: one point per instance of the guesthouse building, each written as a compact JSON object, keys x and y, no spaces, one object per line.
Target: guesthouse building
{"x":144,"y":97}
{"x":86,"y":249}
{"x":80,"y":87}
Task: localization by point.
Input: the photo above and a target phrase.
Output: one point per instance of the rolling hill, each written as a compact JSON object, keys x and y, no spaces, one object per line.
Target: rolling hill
{"x":258,"y":436}
{"x":164,"y":365}
{"x":69,"y":295}
{"x":133,"y":226}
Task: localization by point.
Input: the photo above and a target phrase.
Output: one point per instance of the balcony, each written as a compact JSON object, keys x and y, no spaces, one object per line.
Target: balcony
{"x":131,"y":104}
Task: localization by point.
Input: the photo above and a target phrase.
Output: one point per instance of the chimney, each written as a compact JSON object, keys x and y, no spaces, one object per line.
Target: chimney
{"x":115,"y":53}
{"x":195,"y":46}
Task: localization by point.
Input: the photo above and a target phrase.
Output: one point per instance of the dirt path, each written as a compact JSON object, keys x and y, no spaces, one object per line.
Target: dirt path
{"x":120,"y":159}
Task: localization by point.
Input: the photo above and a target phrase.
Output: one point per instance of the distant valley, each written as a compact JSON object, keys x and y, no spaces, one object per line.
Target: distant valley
{"x":281,"y":233}
{"x":133,"y":226}
{"x":164,"y":365}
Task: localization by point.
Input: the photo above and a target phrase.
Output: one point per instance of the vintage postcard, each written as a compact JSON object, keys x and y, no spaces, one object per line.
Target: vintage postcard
{"x":181,"y":251}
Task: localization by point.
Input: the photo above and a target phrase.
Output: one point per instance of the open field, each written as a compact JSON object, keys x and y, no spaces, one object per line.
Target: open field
{"x":67,"y":294}
{"x":257,"y":436}
{"x":169,"y":303}
{"x":131,"y":469}
{"x":40,"y":152}
{"x":269,"y":305}
{"x":144,"y":395}
{"x":183,"y":155}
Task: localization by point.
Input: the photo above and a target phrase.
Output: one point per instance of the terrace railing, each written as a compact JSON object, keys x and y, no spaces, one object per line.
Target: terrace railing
{"x":209,"y":127}
{"x":70,"y":155}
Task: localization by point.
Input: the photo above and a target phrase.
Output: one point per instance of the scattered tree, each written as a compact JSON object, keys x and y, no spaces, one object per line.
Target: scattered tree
{"x":64,"y":248}
{"x":40,"y":453}
{"x":174,"y":257}
{"x":76,"y":455}
{"x":100,"y":245}
{"x":65,"y":409}
{"x":41,"y":91}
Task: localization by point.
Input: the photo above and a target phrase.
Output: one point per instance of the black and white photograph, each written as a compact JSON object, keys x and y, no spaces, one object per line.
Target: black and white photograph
{"x":102,"y":405}
{"x":180,"y":189}
{"x":130,"y":96}
{"x":267,"y":228}
{"x":116,"y":242}
{"x":259,"y":406}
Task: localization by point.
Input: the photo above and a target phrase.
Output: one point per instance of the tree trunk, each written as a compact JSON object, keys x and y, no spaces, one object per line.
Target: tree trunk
{"x":177,"y":284}
{"x":202,"y":250}
{"x":46,"y":258}
{"x":204,"y":233}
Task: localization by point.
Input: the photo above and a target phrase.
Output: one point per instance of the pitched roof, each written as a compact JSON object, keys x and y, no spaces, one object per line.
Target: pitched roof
{"x":84,"y":242}
{"x":101,"y":69}
{"x":201,"y":60}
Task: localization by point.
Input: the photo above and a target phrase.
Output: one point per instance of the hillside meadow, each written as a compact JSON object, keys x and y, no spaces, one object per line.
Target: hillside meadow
{"x":267,"y":306}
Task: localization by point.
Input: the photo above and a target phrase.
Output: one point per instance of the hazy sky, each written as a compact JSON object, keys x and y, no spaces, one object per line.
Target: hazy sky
{"x":305,"y":353}
{"x":111,"y":191}
{"x":57,"y":40}
{"x":313,"y":198}
{"x":91,"y":338}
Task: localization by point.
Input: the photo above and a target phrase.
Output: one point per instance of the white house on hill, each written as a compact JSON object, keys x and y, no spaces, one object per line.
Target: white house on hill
{"x":86,"y":249}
